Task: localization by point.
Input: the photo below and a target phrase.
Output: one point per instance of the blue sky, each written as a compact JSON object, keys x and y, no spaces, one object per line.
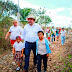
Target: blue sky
{"x":60,"y":10}
{"x":51,"y":4}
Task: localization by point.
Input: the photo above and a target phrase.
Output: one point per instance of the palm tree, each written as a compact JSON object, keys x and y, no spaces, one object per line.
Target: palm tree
{"x":42,"y":18}
{"x":24,"y":13}
{"x":8,"y":8}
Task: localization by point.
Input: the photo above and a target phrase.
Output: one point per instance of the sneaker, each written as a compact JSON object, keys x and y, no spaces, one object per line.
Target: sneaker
{"x":18,"y":68}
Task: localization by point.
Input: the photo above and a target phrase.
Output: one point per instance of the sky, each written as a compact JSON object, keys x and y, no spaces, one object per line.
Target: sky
{"x":60,"y":11}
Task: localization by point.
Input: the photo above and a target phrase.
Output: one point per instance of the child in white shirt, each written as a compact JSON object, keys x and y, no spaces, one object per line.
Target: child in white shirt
{"x":18,"y":51}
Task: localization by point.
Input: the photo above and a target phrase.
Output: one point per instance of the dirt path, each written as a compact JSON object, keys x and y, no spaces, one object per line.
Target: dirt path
{"x":60,"y":60}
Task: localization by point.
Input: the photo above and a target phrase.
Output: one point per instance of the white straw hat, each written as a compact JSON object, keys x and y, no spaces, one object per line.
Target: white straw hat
{"x":31,"y":16}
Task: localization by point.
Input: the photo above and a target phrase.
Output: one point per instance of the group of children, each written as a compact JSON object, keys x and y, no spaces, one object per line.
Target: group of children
{"x":52,"y":33}
{"x":42,"y":51}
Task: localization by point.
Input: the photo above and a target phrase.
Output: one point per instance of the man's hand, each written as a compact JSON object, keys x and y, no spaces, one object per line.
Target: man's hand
{"x":5,"y":37}
{"x":47,"y":55}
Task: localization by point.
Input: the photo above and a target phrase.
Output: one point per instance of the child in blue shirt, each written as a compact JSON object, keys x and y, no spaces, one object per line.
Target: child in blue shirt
{"x":42,"y":51}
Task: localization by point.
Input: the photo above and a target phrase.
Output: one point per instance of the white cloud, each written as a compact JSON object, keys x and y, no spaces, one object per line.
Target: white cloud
{"x":69,"y":8}
{"x":25,"y":4}
{"x":61,"y":21}
{"x":71,"y":12}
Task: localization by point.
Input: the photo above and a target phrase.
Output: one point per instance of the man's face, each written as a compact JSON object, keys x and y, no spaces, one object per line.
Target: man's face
{"x":53,"y":27}
{"x":31,"y":21}
{"x":47,"y":27}
{"x":15,"y":23}
{"x":57,"y":28}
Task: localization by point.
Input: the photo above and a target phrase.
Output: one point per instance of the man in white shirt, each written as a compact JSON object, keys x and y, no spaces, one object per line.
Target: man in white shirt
{"x":14,"y":31}
{"x":63,"y":35}
{"x":30,"y":36}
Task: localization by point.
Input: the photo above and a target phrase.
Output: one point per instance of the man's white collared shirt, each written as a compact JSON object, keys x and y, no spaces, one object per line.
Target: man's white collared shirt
{"x":30,"y":32}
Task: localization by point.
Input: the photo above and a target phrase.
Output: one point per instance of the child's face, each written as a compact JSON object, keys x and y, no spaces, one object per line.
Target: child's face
{"x":48,"y":31}
{"x":18,"y":40}
{"x":63,"y":29}
{"x":40,"y":35}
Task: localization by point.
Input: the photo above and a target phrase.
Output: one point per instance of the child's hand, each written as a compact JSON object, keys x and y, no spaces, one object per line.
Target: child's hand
{"x":21,"y":55}
{"x":47,"y":55}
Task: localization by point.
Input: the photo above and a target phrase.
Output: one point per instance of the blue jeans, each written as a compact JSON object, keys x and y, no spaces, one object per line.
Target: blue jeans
{"x":28,"y":47}
{"x":62,"y":39}
{"x":39,"y":58}
{"x":53,"y":37}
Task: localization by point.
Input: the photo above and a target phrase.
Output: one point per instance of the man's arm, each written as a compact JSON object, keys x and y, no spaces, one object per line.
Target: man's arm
{"x":8,"y":33}
{"x":23,"y":37}
{"x":23,"y":34}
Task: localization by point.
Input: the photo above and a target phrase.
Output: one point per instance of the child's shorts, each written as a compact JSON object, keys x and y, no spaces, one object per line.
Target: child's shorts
{"x":17,"y":57}
{"x":48,"y":37}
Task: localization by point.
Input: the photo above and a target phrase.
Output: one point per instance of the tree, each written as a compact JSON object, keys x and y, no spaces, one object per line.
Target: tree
{"x":42,"y":18}
{"x":24,"y":13}
{"x":8,"y":8}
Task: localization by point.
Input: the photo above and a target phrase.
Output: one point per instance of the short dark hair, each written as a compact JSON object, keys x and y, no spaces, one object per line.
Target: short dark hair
{"x":62,"y":28}
{"x":41,"y":32}
{"x":17,"y":37}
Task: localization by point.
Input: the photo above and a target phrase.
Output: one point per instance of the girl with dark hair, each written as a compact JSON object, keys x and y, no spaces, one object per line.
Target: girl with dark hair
{"x":18,"y":51}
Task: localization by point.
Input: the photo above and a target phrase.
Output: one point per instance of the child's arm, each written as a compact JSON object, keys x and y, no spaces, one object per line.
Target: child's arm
{"x":22,"y":52}
{"x":13,"y":50}
{"x":7,"y":35}
{"x":48,"y":54}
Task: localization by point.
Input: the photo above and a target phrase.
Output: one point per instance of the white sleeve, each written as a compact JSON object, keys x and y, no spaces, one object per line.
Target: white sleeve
{"x":23,"y":34}
{"x":22,"y":46}
{"x":10,"y":29}
{"x":14,"y":45}
{"x":65,"y":31}
{"x":21,"y":30}
{"x":55,"y":29}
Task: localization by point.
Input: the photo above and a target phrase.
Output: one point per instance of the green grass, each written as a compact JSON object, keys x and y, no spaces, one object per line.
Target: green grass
{"x":69,"y":56}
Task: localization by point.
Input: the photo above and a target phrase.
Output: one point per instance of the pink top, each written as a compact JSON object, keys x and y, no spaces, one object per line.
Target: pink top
{"x":47,"y":30}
